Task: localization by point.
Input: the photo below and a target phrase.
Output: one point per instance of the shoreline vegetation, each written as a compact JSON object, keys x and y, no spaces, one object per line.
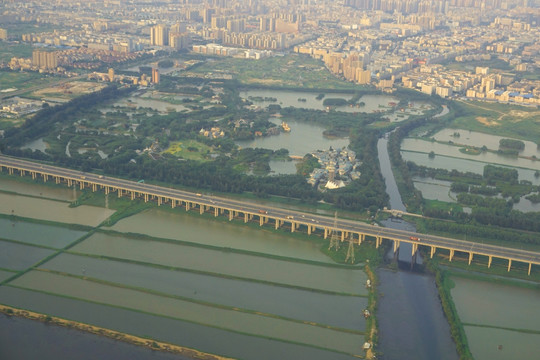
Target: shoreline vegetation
{"x":116,"y":335}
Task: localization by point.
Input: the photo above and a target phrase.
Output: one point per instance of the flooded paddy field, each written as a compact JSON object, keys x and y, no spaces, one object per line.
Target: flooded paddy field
{"x":195,"y":229}
{"x":51,"y":210}
{"x":5,"y":275}
{"x":33,"y":189}
{"x":501,"y":321}
{"x":38,"y":234}
{"x":225,"y":262}
{"x":18,"y":340}
{"x":185,"y":310}
{"x":204,"y":338}
{"x":18,"y":257}
{"x":303,"y":305}
{"x":215,"y":286}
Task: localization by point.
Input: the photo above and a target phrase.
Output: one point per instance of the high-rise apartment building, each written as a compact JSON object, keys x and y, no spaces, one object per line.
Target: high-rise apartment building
{"x":155,"y":75}
{"x":159,"y":35}
{"x":44,"y":59}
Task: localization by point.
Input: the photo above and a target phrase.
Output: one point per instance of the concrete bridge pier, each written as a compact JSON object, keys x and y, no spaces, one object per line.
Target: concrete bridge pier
{"x":246,"y":218}
{"x":159,"y":200}
{"x":173,"y":203}
{"x":325,"y":233}
{"x":21,"y":173}
{"x":231,"y":215}
{"x":187,"y":206}
{"x":261,"y":220}
{"x":278,"y":224}
{"x":201,"y":209}
{"x":530,"y":266}
{"x":378,"y":241}
{"x":509,"y":264}
{"x":451,"y":255}
{"x":57,"y":179}
{"x":145,"y":197}
{"x":119,"y":192}
{"x":10,"y":171}
{"x":34,"y":175}
{"x":490,"y":258}
{"x":70,"y":182}
{"x":293,"y":226}
{"x":45,"y":177}
{"x":81,"y":183}
{"x":216,"y":212}
{"x":432,"y":251}
{"x":396,"y":247}
{"x":470,"y":257}
{"x":361,"y":238}
{"x":309,"y":229}
{"x":107,"y":190}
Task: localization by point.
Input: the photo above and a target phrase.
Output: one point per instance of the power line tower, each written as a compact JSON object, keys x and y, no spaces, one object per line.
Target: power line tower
{"x":334,"y":239}
{"x":350,"y":252}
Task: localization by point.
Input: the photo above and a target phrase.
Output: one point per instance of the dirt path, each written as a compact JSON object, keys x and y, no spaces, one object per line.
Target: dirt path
{"x":135,"y":340}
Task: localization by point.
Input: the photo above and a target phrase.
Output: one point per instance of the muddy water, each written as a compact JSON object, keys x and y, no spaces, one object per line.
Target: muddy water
{"x":334,"y":310}
{"x":52,"y":210}
{"x":60,"y":193}
{"x":487,"y":303}
{"x":19,"y":257}
{"x":225,"y":262}
{"x":179,"y":309}
{"x":194,"y":229}
{"x":51,"y":236}
{"x":19,"y":340}
{"x":497,"y":306}
{"x":193,"y":335}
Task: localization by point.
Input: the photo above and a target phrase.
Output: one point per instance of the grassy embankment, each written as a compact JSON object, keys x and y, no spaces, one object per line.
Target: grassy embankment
{"x":135,"y":340}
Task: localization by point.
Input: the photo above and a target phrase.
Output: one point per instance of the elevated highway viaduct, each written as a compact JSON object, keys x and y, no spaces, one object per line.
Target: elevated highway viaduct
{"x":346,"y":230}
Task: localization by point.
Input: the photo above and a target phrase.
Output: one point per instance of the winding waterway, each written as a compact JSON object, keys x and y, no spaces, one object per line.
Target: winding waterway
{"x":411,"y":321}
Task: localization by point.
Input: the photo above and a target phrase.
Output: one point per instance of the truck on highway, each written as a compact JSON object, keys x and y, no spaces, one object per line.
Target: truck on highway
{"x":290,"y":217}
{"x":414,"y":238}
{"x":199,"y":194}
{"x":263,"y":212}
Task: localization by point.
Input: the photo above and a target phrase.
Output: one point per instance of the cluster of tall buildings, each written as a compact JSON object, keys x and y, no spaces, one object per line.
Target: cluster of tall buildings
{"x":44,"y":59}
{"x":174,"y":36}
{"x":429,"y":6}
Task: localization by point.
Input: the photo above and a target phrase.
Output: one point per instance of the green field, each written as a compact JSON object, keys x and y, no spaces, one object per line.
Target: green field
{"x":21,"y":80}
{"x":498,"y":119}
{"x":293,"y":71}
{"x":16,"y":30}
{"x":188,"y":149}
{"x":8,"y":51}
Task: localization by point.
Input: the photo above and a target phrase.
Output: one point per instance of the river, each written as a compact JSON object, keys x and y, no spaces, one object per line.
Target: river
{"x":411,"y":321}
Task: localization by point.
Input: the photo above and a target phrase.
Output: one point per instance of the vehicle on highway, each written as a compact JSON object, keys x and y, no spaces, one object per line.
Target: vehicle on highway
{"x":290,"y":217}
{"x":263,"y":212}
{"x":414,"y":238}
{"x":199,"y":194}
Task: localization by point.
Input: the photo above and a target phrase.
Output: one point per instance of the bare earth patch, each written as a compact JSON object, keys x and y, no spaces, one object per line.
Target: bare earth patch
{"x":484,"y":121}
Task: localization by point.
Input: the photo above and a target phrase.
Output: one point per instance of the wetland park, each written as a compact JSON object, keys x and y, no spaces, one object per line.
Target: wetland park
{"x":201,"y":286}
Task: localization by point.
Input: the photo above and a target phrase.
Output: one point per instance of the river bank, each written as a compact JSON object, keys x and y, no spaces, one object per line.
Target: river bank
{"x":120,"y":336}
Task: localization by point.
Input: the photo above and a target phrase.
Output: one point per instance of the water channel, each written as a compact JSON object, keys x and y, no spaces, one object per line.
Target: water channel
{"x":412,"y":324}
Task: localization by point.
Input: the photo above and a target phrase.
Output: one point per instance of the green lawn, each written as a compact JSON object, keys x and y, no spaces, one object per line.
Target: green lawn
{"x":498,"y":119}
{"x":188,"y":149}
{"x":293,"y":70}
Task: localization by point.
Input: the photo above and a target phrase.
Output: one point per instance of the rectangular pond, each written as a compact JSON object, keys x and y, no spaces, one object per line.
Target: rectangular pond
{"x":204,"y":338}
{"x":38,"y":234}
{"x":190,"y":228}
{"x":184,"y":310}
{"x":51,"y":210}
{"x":334,"y":310}
{"x":340,"y":280}
{"x":20,"y":257}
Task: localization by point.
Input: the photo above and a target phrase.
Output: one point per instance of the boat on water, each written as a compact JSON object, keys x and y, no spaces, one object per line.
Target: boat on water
{"x":285,"y":126}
